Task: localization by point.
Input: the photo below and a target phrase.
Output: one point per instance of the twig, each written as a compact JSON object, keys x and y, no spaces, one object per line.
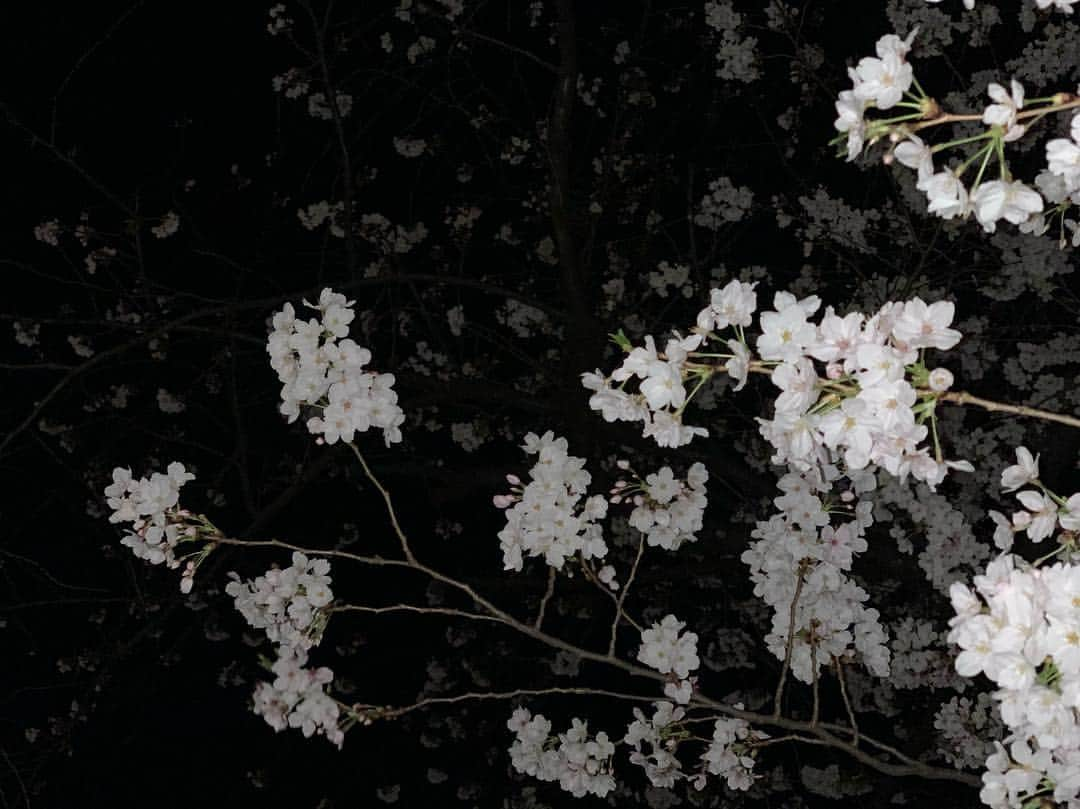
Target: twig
{"x":339,"y":131}
{"x":964,"y":398}
{"x":790,"y":642}
{"x":547,"y":595}
{"x":472,"y":616}
{"x":389,"y":504}
{"x":847,"y":702}
{"x":507,"y":46}
{"x":18,"y":776}
{"x":376,"y":712}
{"x":622,"y":596}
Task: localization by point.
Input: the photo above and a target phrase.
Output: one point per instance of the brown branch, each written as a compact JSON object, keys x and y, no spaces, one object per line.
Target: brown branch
{"x":963,"y":398}
{"x":547,"y":595}
{"x":622,"y":596}
{"x":377,"y":712}
{"x":472,"y":616}
{"x":389,"y":503}
{"x":790,"y":641}
{"x":847,"y":702}
{"x":822,"y":733}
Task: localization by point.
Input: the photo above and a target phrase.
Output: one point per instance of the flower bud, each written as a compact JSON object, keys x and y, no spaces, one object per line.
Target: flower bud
{"x":834,"y":370}
{"x":940,"y":379}
{"x":513,"y":480}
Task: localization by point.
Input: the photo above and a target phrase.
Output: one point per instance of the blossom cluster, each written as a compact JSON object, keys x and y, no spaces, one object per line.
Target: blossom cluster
{"x":885,"y":81}
{"x":319,"y":366}
{"x":151,"y":505}
{"x":581,"y":765}
{"x":1021,"y":628}
{"x":289,"y":605}
{"x":726,"y":754}
{"x":666,"y":650}
{"x":662,"y":395}
{"x":668,"y":511}
{"x":547,"y":516}
{"x":964,"y":725}
{"x":286,"y":603}
{"x":800,"y":558}
{"x":296,"y":698}
{"x":866,"y":407}
{"x":870,"y":403}
{"x":661,"y":764}
{"x":1043,"y":511}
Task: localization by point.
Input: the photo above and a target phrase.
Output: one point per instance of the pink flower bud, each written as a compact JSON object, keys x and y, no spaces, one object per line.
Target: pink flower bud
{"x":502,"y":500}
{"x":513,"y":480}
{"x":186,"y":583}
{"x":847,"y":496}
{"x":623,"y":464}
{"x":616,"y":499}
{"x":834,"y":370}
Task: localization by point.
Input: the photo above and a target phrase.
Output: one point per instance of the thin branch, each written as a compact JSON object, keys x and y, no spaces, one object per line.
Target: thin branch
{"x":847,"y":702}
{"x":376,"y":712}
{"x":339,"y":131}
{"x":547,"y":595}
{"x":963,"y":398}
{"x":622,"y":596}
{"x":472,"y":616}
{"x":790,"y":642}
{"x":37,"y":140}
{"x":389,"y":503}
{"x":375,"y":561}
{"x":532,"y":57}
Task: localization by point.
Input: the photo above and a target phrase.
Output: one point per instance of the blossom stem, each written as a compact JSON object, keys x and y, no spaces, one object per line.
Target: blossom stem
{"x":986,"y":151}
{"x":940,"y":147}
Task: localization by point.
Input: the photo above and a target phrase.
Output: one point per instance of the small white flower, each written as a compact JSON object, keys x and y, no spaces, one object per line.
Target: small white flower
{"x":1023,"y":472}
{"x":1003,"y":113}
{"x":1001,"y":199}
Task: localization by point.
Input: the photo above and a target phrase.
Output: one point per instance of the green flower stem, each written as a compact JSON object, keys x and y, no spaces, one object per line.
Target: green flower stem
{"x":940,"y":147}
{"x":986,"y":151}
